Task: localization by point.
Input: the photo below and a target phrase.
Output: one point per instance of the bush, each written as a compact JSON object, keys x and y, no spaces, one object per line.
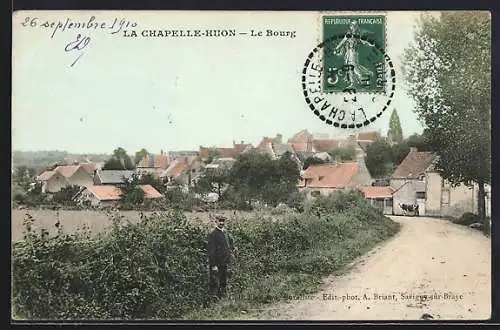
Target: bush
{"x":338,"y":202}
{"x":157,"y":268}
{"x":176,"y":198}
{"x":152,"y":269}
{"x":297,"y":201}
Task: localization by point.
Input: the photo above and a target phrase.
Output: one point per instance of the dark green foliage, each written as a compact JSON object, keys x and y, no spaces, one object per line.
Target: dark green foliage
{"x":23,"y":176}
{"x":157,"y":268}
{"x":212,"y":181}
{"x":312,"y":161}
{"x":132,"y":195}
{"x":139,"y":155}
{"x":343,"y":154}
{"x":65,"y":195}
{"x":255,"y":176}
{"x":178,"y":199}
{"x":212,"y":155}
{"x":379,"y":159}
{"x":119,"y":161}
{"x":395,"y":132}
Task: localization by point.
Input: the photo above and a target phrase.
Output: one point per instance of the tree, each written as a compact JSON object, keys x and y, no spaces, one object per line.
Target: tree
{"x":257,"y":176}
{"x":66,"y":194}
{"x":212,"y":155}
{"x":401,"y":149}
{"x":139,"y":155}
{"x":131,"y":192}
{"x":379,"y":158}
{"x":312,"y":161}
{"x":212,"y":181}
{"x":343,"y":154}
{"x":395,"y":132}
{"x":448,"y":70}
{"x":119,"y":161}
{"x":147,"y":178}
{"x":23,"y":177}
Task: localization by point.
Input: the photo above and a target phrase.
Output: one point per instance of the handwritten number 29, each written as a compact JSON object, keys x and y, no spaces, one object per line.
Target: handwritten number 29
{"x":78,"y":44}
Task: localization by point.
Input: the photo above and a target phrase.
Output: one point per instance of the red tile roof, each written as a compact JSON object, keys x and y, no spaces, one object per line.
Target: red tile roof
{"x":240,"y":147}
{"x":150,"y":192}
{"x":89,"y":167}
{"x":413,"y":165}
{"x":329,"y":175}
{"x":67,"y":170}
{"x":264,"y":143}
{"x":376,"y":192}
{"x":178,"y":166}
{"x":159,"y":161}
{"x":371,"y":136}
{"x":45,"y":176}
{"x":222,"y":152}
{"x":105,"y":192}
{"x":112,"y":193}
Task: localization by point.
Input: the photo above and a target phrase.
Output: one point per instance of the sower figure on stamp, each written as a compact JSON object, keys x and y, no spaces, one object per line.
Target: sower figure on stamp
{"x":220,"y":253}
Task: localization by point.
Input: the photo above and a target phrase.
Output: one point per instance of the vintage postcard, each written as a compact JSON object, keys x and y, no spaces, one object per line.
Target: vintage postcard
{"x":251,"y":165}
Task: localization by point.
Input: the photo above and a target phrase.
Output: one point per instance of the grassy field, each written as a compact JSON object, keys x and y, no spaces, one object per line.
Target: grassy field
{"x":98,"y":221}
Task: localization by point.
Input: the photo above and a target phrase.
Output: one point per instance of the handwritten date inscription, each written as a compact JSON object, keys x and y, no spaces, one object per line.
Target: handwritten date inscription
{"x":81,"y":42}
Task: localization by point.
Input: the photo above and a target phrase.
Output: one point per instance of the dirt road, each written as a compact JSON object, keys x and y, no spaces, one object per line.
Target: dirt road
{"x":428,"y":256}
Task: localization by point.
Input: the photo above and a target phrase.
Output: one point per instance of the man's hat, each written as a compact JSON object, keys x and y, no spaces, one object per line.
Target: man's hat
{"x":220,"y":218}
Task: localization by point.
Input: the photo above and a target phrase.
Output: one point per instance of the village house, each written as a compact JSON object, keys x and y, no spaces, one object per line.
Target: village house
{"x":112,"y":177}
{"x":52,"y":181}
{"x":302,"y":142}
{"x":307,"y":145}
{"x":153,"y":164}
{"x":64,"y":176}
{"x":181,"y":170}
{"x":442,"y":199}
{"x":379,"y":197}
{"x":415,"y":180}
{"x":362,"y":139}
{"x":323,"y":179}
{"x":108,"y":195}
{"x":408,"y":180}
{"x":275,"y":148}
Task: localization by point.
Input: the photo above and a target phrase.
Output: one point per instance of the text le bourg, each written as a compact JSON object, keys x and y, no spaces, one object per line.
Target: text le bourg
{"x":209,"y":33}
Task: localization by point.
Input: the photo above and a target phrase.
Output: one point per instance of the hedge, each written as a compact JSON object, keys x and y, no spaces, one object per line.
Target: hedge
{"x":157,"y":268}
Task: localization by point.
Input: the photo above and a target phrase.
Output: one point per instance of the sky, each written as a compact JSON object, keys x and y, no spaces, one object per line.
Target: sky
{"x":174,"y":93}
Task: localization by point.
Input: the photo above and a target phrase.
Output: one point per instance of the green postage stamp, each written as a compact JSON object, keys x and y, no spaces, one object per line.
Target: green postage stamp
{"x":353,"y":53}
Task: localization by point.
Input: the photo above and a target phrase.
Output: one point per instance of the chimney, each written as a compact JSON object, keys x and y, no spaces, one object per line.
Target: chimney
{"x":161,"y":152}
{"x":279,"y":138}
{"x":242,"y":142}
{"x":413,"y":149}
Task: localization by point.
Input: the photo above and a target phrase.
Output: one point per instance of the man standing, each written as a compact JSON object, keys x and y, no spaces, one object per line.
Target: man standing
{"x":220,"y":252}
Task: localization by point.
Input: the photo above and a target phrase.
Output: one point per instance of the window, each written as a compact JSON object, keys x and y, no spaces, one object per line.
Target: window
{"x":420,"y":194}
{"x":388,"y":202}
{"x":315,"y":193}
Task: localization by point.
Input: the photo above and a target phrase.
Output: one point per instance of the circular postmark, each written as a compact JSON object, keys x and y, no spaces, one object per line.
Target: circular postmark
{"x":345,"y":87}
